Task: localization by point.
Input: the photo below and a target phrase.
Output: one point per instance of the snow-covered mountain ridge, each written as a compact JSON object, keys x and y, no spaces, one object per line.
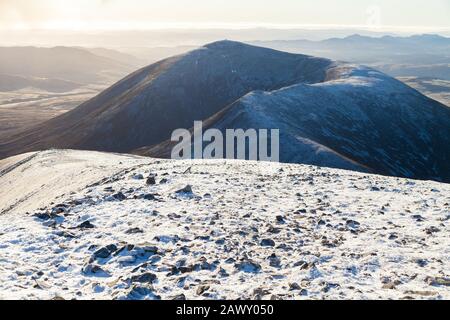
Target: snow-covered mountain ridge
{"x":329,"y":113}
{"x":359,"y":119}
{"x":126,"y":227}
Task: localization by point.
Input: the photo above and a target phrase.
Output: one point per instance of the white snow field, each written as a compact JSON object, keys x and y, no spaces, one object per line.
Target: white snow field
{"x":89,"y":225}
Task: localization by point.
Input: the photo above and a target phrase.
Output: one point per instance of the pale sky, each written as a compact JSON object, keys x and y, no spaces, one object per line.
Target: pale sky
{"x":417,"y":15}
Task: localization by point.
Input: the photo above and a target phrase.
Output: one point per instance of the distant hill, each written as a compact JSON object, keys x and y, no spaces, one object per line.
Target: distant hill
{"x":12,"y":83}
{"x":118,"y":56}
{"x":66,"y":63}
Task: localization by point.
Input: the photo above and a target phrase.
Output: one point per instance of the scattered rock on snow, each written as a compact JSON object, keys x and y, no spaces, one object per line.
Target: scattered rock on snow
{"x":294,"y":286}
{"x":104,"y":252}
{"x":438,"y":281}
{"x":353,"y":225}
{"x":85,"y":225}
{"x":134,"y":231}
{"x":144,"y":278}
{"x":268,"y":243}
{"x":280,"y":220}
{"x":432,"y":230}
{"x":95,"y":270}
{"x":202,"y":289}
{"x":185,"y":191}
{"x":248,"y":266}
{"x":151,"y":180}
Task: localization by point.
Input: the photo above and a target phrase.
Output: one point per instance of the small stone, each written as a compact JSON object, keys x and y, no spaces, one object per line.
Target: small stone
{"x":134,"y":231}
{"x":151,"y":181}
{"x":65,"y":234}
{"x":274,"y":230}
{"x":302,"y":264}
{"x":353,"y":225}
{"x":202,"y":289}
{"x":389,"y":286}
{"x":259,"y":293}
{"x":223,"y":273}
{"x":103,"y":253}
{"x":294,"y":286}
{"x":248,"y":266}
{"x":329,"y":286}
{"x":280,"y":220}
{"x":418,"y":218}
{"x":393,"y":236}
{"x":274,"y":261}
{"x":138,"y":291}
{"x":432,"y":230}
{"x":46,"y":216}
{"x":150,"y":197}
{"x":185,"y":190}
{"x":167,"y":239}
{"x":144,"y":278}
{"x":138,"y":177}
{"x":86,"y":225}
{"x":422,"y":293}
{"x":180,"y":297}
{"x":267,"y":243}
{"x":422,"y":263}
{"x":92,"y":269}
{"x":119,"y":196}
{"x":438,"y":281}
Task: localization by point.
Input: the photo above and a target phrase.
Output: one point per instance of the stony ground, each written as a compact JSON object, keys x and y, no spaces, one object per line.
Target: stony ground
{"x":230,"y":230}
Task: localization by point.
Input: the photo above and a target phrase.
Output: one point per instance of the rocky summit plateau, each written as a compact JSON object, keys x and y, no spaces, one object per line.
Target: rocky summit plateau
{"x":90,"y":225}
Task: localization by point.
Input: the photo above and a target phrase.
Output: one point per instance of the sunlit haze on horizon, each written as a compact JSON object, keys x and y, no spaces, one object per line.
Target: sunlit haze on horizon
{"x":140,"y":23}
{"x":90,"y":15}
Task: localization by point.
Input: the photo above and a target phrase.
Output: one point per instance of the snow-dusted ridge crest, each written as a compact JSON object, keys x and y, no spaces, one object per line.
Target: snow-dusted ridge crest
{"x":90,"y":225}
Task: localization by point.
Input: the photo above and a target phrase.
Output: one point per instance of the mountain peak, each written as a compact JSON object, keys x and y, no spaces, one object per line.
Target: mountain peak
{"x":225,"y":44}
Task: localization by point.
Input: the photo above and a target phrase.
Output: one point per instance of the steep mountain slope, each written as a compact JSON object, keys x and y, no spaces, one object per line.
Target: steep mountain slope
{"x":144,"y":108}
{"x":259,"y":231}
{"x":359,"y":119}
{"x":363,"y":115}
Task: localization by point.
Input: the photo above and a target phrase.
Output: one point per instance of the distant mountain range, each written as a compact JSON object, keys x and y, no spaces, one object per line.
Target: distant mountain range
{"x":329,"y":113}
{"x":357,"y":48}
{"x":419,"y":55}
